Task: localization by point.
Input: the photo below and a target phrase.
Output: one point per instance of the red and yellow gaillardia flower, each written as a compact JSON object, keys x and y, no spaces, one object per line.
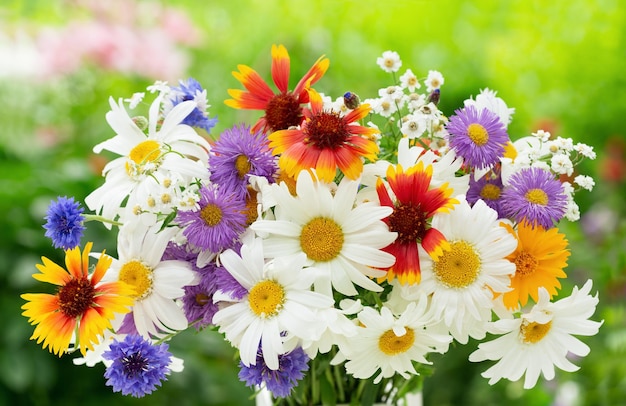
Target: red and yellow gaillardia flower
{"x":282,"y":109}
{"x":326,"y":141}
{"x":414,"y":205}
{"x":81,"y":304}
{"x":540,"y":258}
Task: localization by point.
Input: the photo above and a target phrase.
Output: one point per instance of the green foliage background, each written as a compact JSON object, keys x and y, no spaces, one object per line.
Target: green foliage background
{"x":560,"y":64}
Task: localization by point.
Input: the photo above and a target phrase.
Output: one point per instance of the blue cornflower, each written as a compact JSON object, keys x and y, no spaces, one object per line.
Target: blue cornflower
{"x":192,"y":90}
{"x":291,"y":369}
{"x":239,"y":153}
{"x":533,"y":195}
{"x":478,"y":136}
{"x":64,"y":224}
{"x":138,"y":366}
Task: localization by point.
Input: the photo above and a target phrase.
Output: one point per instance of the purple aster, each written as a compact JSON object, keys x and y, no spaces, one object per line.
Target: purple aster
{"x":138,"y":366}
{"x":192,"y":90}
{"x":478,"y":137}
{"x":489,"y":189}
{"x":64,"y":224}
{"x":218,"y":223}
{"x":239,"y":153}
{"x":535,"y":196}
{"x":291,"y":368}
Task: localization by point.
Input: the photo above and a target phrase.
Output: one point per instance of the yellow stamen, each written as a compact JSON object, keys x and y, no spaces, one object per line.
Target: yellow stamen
{"x":533,"y":332}
{"x":537,"y":196}
{"x":137,"y":275}
{"x":211,"y":214}
{"x":321,"y":239}
{"x":459,"y":266}
{"x":491,"y":192}
{"x":391,"y":344}
{"x":266,"y":298}
{"x":478,"y":134}
{"x":243,"y":166}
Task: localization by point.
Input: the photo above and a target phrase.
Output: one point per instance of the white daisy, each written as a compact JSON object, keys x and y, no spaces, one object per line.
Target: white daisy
{"x":465,"y":278}
{"x":167,"y":147}
{"x":391,"y":344}
{"x":279,"y":304}
{"x":434,"y":80}
{"x":157,"y":283}
{"x":408,"y":80}
{"x":389,"y":62}
{"x":541,"y":339}
{"x":342,"y":241}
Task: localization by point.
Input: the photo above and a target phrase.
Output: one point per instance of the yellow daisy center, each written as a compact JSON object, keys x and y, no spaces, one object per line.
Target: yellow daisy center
{"x":459,"y":266}
{"x":321,"y":239}
{"x":525,"y":264}
{"x":243,"y":166}
{"x":211,"y":214}
{"x":139,"y":276}
{"x":391,"y":344}
{"x":146,"y":151}
{"x":75,"y":297}
{"x":537,"y":196}
{"x":266,"y":298}
{"x":478,"y":134}
{"x":490,"y":192}
{"x":533,"y":332}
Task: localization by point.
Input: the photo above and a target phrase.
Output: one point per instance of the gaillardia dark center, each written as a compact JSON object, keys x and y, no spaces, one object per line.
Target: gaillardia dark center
{"x":326,"y":130}
{"x":75,"y":297}
{"x":409,"y":221}
{"x":283,"y":111}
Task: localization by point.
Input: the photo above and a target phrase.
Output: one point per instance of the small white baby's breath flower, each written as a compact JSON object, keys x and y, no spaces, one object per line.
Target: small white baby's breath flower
{"x":544,"y":136}
{"x":390,"y":61}
{"x":135,"y":99}
{"x":409,"y":81}
{"x":585,"y":182}
{"x":561,"y":164}
{"x":585,"y":150}
{"x":434,"y":80}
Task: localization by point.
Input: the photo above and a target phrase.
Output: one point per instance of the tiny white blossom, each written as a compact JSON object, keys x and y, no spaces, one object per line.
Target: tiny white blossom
{"x":572,"y":213}
{"x":544,"y":136}
{"x":561,"y":164}
{"x":409,"y":81}
{"x":412,"y":126}
{"x":585,"y":182}
{"x":135,"y":99}
{"x":390,"y":61}
{"x":585,"y":150}
{"x":434,"y":80}
{"x":159,"y":87}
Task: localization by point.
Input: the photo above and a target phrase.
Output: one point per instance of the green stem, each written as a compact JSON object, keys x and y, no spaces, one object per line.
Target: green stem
{"x":95,"y":217}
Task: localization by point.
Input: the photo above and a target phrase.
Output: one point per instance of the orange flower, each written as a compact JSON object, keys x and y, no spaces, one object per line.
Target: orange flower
{"x":283,"y":109}
{"x":326,"y":141}
{"x":415,"y":204}
{"x":81,"y":303}
{"x":540,"y":257}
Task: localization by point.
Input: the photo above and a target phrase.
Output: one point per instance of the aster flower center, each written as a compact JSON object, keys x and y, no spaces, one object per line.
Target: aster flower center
{"x":266,"y":298}
{"x":525,"y":264}
{"x":533,"y":332}
{"x":490,"y":192}
{"x":75,"y":297}
{"x":459,"y":266}
{"x":283,"y":111}
{"x":391,"y":344}
{"x":409,"y":222}
{"x":243,"y":166}
{"x":135,"y":364}
{"x":202,"y":299}
{"x":211,"y":214}
{"x":478,"y":134}
{"x":537,"y":196}
{"x":321,"y":239}
{"x":137,"y":275}
{"x":326,"y":130}
{"x":251,"y":206}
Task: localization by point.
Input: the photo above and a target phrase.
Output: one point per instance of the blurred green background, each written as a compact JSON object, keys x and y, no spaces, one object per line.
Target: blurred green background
{"x":560,"y":64}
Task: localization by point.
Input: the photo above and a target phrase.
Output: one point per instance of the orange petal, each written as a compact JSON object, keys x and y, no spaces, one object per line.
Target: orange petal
{"x":280,"y":67}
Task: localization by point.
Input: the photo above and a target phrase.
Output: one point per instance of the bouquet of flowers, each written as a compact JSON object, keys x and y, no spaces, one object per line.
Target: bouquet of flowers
{"x":336,"y":242}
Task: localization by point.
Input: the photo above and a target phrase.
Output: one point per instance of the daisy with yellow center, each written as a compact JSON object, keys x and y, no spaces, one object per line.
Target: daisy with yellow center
{"x":157,"y":284}
{"x":342,"y":240}
{"x":326,"y":141}
{"x":83,"y":303}
{"x":537,"y":341}
{"x":392,"y":343}
{"x":279,"y":304}
{"x":282,"y":109}
{"x":540,"y":258}
{"x":464,"y":279}
{"x":414,"y":204}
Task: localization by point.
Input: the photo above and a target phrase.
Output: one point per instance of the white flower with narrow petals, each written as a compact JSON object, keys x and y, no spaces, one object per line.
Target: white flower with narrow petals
{"x":533,"y":344}
{"x":168,"y":147}
{"x":390,"y":61}
{"x":341,"y":239}
{"x":279,"y":305}
{"x":158,"y":284}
